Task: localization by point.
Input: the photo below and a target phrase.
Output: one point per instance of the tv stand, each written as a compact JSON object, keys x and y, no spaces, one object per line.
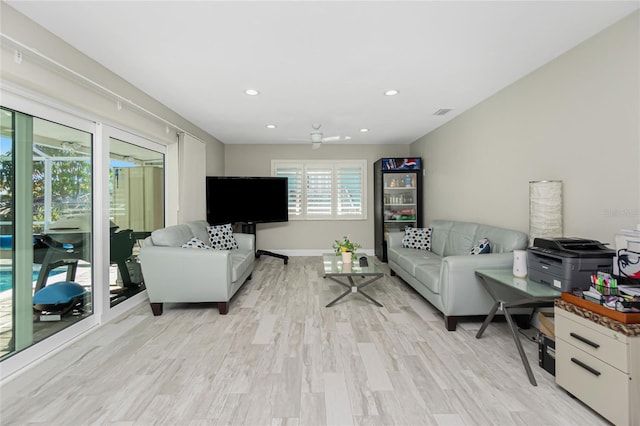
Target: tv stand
{"x":272,"y":254}
{"x":250,"y":228}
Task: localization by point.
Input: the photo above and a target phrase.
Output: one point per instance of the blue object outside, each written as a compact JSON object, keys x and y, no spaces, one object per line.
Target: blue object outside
{"x":58,"y":293}
{"x":6,"y":242}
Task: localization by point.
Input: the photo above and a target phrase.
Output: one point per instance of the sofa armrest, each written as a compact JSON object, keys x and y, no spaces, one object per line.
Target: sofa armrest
{"x":394,"y":239}
{"x":245,"y":241}
{"x":461,"y":289}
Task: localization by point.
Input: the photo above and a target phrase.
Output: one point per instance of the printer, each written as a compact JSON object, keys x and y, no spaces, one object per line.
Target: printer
{"x":567,"y":263}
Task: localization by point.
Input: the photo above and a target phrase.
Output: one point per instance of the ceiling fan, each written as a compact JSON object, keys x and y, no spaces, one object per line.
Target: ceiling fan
{"x":317,"y":138}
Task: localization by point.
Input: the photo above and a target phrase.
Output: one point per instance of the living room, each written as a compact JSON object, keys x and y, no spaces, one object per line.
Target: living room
{"x":574,"y":119}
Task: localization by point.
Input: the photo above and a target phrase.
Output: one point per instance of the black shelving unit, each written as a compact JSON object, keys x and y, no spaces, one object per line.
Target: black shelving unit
{"x":397,"y":198}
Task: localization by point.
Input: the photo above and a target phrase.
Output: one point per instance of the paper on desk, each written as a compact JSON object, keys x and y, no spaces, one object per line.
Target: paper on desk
{"x":631,"y":291}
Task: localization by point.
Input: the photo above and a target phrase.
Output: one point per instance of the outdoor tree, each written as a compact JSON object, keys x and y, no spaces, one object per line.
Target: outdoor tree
{"x":70,"y":186}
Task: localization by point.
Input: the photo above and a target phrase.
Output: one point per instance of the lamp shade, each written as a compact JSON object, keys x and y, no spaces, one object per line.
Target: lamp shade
{"x":545,"y":209}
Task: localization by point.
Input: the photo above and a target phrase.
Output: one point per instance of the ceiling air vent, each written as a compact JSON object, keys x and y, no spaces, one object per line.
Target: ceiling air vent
{"x":443,"y":111}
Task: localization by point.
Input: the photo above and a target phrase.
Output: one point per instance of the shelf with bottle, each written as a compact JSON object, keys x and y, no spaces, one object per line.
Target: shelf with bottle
{"x":401,"y":205}
{"x":402,"y":181}
{"x":394,"y":215}
{"x":399,"y":199}
{"x":396,"y":226}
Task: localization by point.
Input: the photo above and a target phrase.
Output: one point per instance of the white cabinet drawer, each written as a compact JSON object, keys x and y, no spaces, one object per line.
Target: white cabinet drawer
{"x":594,"y":339}
{"x":591,"y":380}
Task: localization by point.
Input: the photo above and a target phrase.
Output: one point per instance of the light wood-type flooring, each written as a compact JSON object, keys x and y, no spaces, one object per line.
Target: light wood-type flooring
{"x":281,"y":358}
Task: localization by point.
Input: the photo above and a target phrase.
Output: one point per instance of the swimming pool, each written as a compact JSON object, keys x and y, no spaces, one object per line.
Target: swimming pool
{"x":6,"y":276}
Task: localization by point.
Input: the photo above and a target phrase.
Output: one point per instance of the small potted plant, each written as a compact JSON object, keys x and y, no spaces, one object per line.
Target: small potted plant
{"x":346,"y":248}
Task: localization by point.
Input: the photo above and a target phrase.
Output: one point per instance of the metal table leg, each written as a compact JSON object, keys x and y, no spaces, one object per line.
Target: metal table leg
{"x":516,"y":338}
{"x":488,"y":319}
{"x":353,"y":288}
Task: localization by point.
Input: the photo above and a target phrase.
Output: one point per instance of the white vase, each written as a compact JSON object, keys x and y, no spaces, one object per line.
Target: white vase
{"x":346,"y":257}
{"x":520,"y":263}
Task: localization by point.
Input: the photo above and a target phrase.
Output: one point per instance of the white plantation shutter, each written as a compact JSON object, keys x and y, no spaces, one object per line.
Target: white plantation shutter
{"x":349,"y":190}
{"x":294,"y":174}
{"x":324,"y":189}
{"x":319,"y":191}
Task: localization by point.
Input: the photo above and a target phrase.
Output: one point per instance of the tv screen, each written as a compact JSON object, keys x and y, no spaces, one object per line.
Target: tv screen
{"x":246,"y":199}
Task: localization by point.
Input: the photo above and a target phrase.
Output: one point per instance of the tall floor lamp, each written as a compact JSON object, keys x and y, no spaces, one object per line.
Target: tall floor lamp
{"x":545,"y":209}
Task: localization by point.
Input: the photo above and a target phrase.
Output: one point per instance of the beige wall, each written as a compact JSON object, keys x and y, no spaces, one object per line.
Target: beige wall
{"x":576,"y":119}
{"x":298,"y":236}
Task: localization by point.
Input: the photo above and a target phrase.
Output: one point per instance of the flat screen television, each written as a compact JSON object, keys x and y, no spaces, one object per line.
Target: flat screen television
{"x":246,"y":199}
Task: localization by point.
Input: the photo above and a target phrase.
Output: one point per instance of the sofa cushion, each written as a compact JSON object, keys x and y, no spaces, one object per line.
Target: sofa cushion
{"x":417,"y":238}
{"x":221,"y":237}
{"x":502,"y":240}
{"x":171,"y":236}
{"x":461,"y":237}
{"x":483,"y":246}
{"x":446,"y":244}
{"x":196,"y":243}
{"x":409,"y":259}
{"x":439,"y":235}
{"x":199,"y":229}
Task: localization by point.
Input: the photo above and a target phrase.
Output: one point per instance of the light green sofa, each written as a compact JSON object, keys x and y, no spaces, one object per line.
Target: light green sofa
{"x":173,"y":274}
{"x":445,"y":276}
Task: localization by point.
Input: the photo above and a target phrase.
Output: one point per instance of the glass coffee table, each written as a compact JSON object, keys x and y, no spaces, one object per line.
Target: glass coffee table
{"x":351,"y":275}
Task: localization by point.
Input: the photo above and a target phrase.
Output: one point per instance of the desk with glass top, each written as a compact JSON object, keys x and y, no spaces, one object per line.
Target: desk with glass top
{"x":336,"y":270}
{"x":510,"y":292}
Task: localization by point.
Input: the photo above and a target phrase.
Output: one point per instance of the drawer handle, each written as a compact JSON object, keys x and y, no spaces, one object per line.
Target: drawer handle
{"x":583,"y":340}
{"x":586,"y":367}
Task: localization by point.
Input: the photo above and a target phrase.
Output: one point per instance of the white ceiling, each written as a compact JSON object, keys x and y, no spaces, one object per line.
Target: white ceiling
{"x":326,"y":62}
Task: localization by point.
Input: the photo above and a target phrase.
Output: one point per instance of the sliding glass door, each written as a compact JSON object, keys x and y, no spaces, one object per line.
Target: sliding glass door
{"x":46,"y":222}
{"x":136,"y":207}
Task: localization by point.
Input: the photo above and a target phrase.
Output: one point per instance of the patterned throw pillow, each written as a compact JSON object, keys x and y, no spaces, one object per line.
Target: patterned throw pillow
{"x":196,"y":243}
{"x":483,"y":246}
{"x":221,"y":237}
{"x":417,"y":238}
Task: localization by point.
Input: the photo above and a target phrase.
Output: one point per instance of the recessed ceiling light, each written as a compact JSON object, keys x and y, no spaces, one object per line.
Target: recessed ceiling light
{"x":271,"y":126}
{"x":364,"y":130}
{"x":346,"y":138}
{"x":391,"y":92}
{"x":251,"y":92}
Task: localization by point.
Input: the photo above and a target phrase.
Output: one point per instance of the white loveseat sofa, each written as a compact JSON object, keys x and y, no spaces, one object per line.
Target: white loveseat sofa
{"x":445,"y":275}
{"x":173,"y":274}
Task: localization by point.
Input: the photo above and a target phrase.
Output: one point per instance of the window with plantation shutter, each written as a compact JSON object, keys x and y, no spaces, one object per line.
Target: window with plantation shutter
{"x":324,"y":189}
